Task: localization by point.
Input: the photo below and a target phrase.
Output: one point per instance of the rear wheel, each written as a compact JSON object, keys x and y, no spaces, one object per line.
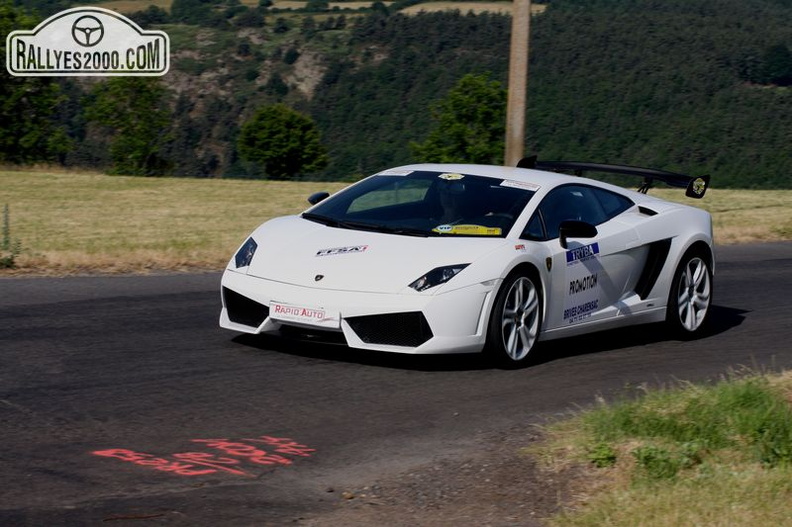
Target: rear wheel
{"x":691,"y":296}
{"x":515,"y":320}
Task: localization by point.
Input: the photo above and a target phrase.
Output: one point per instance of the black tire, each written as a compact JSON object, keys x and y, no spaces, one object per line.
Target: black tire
{"x":515,"y":321}
{"x":690,"y":296}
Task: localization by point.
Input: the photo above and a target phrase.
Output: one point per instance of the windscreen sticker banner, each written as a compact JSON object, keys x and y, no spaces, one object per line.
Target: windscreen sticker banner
{"x":520,"y":184}
{"x":395,"y":172}
{"x":470,"y":230}
{"x":451,"y":177}
{"x":582,"y":295}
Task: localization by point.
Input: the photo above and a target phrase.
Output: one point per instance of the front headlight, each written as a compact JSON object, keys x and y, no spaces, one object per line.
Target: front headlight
{"x":437,"y":276}
{"x":244,"y":255}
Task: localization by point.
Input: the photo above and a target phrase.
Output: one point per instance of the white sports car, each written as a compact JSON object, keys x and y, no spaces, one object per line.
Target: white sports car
{"x":453,"y":258}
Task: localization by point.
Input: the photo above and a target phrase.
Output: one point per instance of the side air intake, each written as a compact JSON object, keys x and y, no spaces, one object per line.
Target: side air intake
{"x":395,"y":329}
{"x":658,"y":253}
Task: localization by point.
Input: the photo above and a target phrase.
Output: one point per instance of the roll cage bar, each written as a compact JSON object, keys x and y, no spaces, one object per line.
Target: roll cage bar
{"x":696,"y":186}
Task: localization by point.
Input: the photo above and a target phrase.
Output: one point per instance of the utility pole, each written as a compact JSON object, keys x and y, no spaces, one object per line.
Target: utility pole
{"x":518,"y":82}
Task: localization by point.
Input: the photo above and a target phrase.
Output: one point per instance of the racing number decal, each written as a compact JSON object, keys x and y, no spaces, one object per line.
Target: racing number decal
{"x":582,"y":294}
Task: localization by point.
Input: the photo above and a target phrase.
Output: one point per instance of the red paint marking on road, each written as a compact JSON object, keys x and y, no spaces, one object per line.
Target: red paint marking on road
{"x":284,"y":445}
{"x":253,"y":454}
{"x":235,"y":454}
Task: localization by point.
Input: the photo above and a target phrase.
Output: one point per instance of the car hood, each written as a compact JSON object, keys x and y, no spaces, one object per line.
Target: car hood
{"x":301,"y":252}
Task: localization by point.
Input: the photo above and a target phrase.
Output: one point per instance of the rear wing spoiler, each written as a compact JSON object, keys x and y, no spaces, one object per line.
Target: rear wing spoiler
{"x":696,"y":186}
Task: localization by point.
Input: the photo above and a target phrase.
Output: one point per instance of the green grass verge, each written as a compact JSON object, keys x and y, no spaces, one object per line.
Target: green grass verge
{"x":70,"y":222}
{"x":692,"y":455}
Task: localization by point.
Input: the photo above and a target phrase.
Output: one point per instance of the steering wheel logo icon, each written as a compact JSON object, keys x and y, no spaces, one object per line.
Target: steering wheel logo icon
{"x":87,"y":31}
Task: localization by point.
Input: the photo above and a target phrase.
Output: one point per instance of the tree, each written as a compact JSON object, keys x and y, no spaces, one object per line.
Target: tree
{"x":133,"y":108}
{"x":778,"y":65}
{"x":28,"y":105}
{"x":317,"y":6}
{"x":469,"y":124}
{"x":282,"y":142}
{"x":191,"y":11}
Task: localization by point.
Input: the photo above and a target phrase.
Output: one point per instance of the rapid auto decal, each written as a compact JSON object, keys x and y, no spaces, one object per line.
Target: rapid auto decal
{"x":583,"y":290}
{"x":314,"y":316}
{"x":341,"y":250}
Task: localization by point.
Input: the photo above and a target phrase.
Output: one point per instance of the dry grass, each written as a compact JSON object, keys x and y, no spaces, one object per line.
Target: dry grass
{"x":464,"y":7}
{"x":77,"y":222}
{"x":72,"y":222}
{"x":131,"y":6}
{"x":741,"y":216}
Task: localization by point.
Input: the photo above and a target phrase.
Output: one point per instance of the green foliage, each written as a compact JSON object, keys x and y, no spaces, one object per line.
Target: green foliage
{"x":658,"y":463}
{"x":658,"y":84}
{"x":317,"y":5}
{"x":640,"y":82}
{"x":678,"y":430}
{"x":9,"y":249}
{"x":28,"y":105}
{"x":150,"y":16}
{"x":777,"y":66}
{"x":282,"y":143}
{"x":685,"y":85}
{"x":469,"y":124}
{"x":602,"y":455}
{"x":190,"y":11}
{"x":372,"y":105}
{"x":133,"y":110}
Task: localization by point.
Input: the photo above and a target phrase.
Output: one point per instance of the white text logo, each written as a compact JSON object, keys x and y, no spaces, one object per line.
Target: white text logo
{"x":87,"y":41}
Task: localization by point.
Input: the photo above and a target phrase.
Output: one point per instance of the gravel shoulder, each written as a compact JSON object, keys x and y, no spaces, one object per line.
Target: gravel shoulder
{"x":498,"y":485}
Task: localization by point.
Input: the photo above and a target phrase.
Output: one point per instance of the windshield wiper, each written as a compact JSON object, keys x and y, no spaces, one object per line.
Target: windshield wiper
{"x":408,"y":231}
{"x":324,"y":220}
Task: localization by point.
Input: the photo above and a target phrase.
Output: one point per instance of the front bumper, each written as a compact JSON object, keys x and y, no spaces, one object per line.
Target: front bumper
{"x":452,"y":322}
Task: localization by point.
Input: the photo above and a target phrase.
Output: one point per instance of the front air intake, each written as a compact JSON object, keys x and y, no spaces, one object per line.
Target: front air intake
{"x":243,"y":310}
{"x":394,"y":329}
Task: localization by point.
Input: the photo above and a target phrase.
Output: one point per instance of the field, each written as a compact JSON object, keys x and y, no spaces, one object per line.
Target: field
{"x":465,"y":7}
{"x":68,"y":222}
{"x":130,"y":6}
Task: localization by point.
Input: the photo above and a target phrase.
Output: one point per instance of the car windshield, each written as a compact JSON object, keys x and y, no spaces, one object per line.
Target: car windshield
{"x":426,"y":203}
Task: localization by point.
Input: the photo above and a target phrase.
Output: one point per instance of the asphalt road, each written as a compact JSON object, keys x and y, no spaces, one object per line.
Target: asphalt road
{"x":121,"y":400}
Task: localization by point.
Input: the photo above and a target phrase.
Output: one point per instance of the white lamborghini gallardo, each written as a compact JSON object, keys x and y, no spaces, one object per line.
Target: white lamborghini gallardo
{"x":453,"y":258}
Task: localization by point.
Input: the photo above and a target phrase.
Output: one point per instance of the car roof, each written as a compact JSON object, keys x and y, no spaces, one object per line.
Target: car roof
{"x":538,"y":177}
{"x":545,"y":180}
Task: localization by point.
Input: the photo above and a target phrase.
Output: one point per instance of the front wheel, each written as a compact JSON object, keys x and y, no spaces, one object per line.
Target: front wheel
{"x":515,"y":320}
{"x":690,"y":297}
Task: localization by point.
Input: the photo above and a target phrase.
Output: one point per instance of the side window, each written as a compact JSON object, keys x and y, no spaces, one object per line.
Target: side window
{"x":570,"y":202}
{"x":612,"y":204}
{"x":535,"y":229}
{"x":574,"y":202}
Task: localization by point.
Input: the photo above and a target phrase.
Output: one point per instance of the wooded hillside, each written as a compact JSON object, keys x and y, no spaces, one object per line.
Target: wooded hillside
{"x":686,"y":85}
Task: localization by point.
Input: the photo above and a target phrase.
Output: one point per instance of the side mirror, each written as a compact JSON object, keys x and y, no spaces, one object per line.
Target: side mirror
{"x":316,"y":197}
{"x":575,"y":229}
